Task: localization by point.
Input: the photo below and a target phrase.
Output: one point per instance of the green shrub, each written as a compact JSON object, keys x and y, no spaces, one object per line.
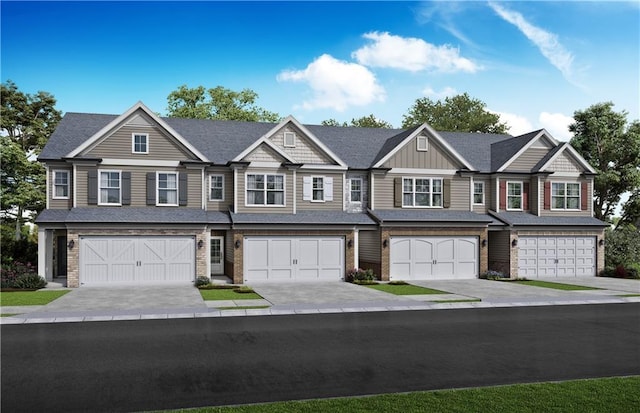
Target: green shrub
{"x":622,"y":247}
{"x":30,"y":282}
{"x":202,"y":281}
{"x":20,"y":275}
{"x":492,"y":275}
{"x":633,"y":270}
{"x":358,"y":274}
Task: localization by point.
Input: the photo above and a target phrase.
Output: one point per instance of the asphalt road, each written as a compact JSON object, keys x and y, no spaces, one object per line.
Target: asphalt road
{"x":161,"y":364}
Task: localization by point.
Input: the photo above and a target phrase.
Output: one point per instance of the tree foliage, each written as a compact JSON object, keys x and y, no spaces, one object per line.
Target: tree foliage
{"x":603,"y":137}
{"x":217,"y":103}
{"x":27,"y":122}
{"x":363,"y":122}
{"x":622,"y":246}
{"x":459,"y":113}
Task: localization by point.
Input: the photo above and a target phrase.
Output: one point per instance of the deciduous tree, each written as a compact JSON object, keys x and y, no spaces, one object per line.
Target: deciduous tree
{"x":363,"y":122}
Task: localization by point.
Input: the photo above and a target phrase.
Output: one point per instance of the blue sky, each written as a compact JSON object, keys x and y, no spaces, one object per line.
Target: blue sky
{"x":535,"y":63}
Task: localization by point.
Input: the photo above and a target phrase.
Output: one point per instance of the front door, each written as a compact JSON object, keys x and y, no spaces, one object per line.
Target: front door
{"x":61,"y":259}
{"x":217,"y":248}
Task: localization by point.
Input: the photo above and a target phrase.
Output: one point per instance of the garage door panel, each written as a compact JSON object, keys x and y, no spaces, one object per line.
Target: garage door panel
{"x":445,"y":250}
{"x":565,"y":256}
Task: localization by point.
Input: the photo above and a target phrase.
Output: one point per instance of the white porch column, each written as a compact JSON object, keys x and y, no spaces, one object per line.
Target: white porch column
{"x":45,"y":253}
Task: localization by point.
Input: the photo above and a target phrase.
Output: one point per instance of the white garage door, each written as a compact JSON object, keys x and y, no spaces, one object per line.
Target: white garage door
{"x":136,"y":260}
{"x":556,"y":256}
{"x":293,"y":259}
{"x":433,"y":258}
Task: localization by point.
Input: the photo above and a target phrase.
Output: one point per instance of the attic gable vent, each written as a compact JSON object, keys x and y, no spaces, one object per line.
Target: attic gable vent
{"x":289,"y":140}
{"x":422,"y":143}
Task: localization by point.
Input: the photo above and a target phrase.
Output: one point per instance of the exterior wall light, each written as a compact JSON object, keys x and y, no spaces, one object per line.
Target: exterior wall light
{"x":71,"y":244}
{"x":385,"y":243}
{"x":601,"y":242}
{"x":350,"y":243}
{"x":200,"y":244}
{"x":238,"y":243}
{"x":484,"y":243}
{"x":514,"y":243}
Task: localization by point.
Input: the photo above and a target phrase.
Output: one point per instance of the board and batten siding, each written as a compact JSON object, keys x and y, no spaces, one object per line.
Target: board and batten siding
{"x":59,"y":203}
{"x":306,"y":205}
{"x":369,"y":246}
{"x":139,"y":184}
{"x":433,"y":158}
{"x":228,"y":191}
{"x":581,"y":212}
{"x":276,"y":209}
{"x":117,"y":145}
{"x":384,"y":191}
{"x":304,"y":150}
{"x":526,"y":161}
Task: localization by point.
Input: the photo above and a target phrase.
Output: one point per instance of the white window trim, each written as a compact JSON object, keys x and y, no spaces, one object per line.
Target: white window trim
{"x":133,"y":142}
{"x":431,"y":193}
{"x":313,"y":189}
{"x":100,"y":172}
{"x":426,"y":143}
{"x":351,"y":190}
{"x":566,"y":197}
{"x":55,"y":172}
{"x":284,"y":140}
{"x":210,"y":181}
{"x":158,"y":188}
{"x":473,"y":195}
{"x":521,"y":196}
{"x":265,"y":205}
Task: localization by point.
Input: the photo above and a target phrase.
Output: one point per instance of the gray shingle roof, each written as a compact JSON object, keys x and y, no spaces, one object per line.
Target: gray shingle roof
{"x":428,"y":215}
{"x":305,"y":217}
{"x":526,"y":219}
{"x":475,"y":147}
{"x":502,"y":151}
{"x":128,"y":215}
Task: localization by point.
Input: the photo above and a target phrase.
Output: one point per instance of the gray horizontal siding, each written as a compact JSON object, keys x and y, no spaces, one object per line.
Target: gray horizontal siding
{"x":384,"y":190}
{"x":338,"y":190}
{"x":288,"y":185}
{"x":549,"y":212}
{"x":528,"y":159}
{"x":228,"y":191}
{"x":60,"y":203}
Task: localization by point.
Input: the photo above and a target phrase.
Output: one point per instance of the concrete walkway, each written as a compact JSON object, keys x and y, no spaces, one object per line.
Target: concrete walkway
{"x":143,"y":303}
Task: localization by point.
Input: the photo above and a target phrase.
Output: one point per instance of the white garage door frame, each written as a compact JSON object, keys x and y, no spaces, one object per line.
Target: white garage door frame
{"x":433,"y":258}
{"x":136,"y":260}
{"x":293,"y":259}
{"x":557,"y":256}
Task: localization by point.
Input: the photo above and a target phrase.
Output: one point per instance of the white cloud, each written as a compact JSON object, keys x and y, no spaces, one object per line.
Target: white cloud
{"x":336,"y":84}
{"x":547,"y":42}
{"x":411,"y":54}
{"x":446,"y":92}
{"x":557,"y":125}
{"x":517,"y":124}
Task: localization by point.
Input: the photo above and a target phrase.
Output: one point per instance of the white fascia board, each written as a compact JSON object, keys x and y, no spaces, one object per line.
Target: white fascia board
{"x":419,"y":171}
{"x":522,"y":150}
{"x":138,"y":106}
{"x":323,"y":167}
{"x":140,"y":162}
{"x":432,"y":134}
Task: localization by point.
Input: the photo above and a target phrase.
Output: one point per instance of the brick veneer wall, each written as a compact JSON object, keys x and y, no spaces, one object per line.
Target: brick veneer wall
{"x":73,"y":255}
{"x":238,"y":235}
{"x":386,"y":233}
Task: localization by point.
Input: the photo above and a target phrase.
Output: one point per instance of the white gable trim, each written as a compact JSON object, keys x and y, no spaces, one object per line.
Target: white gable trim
{"x":138,"y":106}
{"x":433,"y":135}
{"x":542,"y":133}
{"x":273,"y":146}
{"x":290,"y":119}
{"x":566,"y":146}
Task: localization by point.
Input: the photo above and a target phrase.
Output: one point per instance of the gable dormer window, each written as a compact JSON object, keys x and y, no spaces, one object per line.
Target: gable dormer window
{"x":140,"y":143}
{"x":422,"y":143}
{"x":289,"y":140}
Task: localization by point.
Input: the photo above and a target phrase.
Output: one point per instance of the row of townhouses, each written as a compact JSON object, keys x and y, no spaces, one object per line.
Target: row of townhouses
{"x":136,"y":199}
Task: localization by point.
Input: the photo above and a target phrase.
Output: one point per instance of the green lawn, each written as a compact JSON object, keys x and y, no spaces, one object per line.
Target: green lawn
{"x":226,"y":294}
{"x":404,"y":289}
{"x":12,"y":298}
{"x":610,"y":395}
{"x":556,"y":286}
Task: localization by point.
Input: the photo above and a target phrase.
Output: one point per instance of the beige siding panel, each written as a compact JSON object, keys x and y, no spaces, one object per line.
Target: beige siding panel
{"x":194,"y":192}
{"x":288,"y":185}
{"x":338,"y":190}
{"x":118,"y":145}
{"x":564,"y":163}
{"x":263,"y":153}
{"x":369,"y":246}
{"x":383,"y":191}
{"x":81,"y":185}
{"x":527,"y":160}
{"x":305,"y":151}
{"x":548,"y":212}
{"x":60,"y":203}
{"x":460,"y":194}
{"x":409,"y":157}
{"x":228,"y":192}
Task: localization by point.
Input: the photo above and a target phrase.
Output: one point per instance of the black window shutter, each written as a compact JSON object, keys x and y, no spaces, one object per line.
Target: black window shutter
{"x":151,"y":188}
{"x":92,"y":187}
{"x":126,"y":188}
{"x":182,"y":189}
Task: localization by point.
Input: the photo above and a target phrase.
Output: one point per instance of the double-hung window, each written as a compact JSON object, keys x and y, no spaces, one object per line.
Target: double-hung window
{"x":216,"y":188}
{"x":318,"y":188}
{"x":60,"y":184}
{"x":140,"y":143}
{"x":110,"y":188}
{"x":565,"y":195}
{"x":356,"y":190}
{"x":422,"y":192}
{"x":265,"y":189}
{"x":478,"y":193}
{"x":167,"y":188}
{"x":514,"y":195}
